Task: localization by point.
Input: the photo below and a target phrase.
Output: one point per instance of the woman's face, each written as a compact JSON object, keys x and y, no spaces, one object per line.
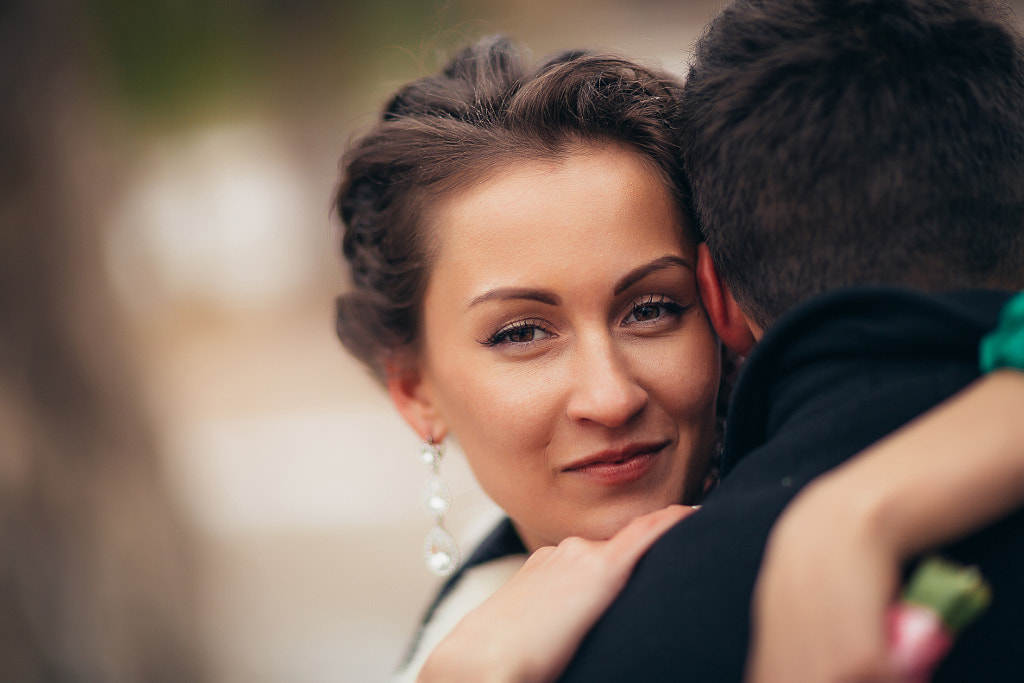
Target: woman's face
{"x":565,"y":347}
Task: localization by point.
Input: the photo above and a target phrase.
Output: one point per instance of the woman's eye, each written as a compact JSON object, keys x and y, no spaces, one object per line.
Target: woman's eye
{"x":651,"y":309}
{"x":646,"y":312}
{"x":522,"y":332}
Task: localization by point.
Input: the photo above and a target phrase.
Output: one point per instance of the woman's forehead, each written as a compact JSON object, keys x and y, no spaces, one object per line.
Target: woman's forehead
{"x":587,"y":219}
{"x":569,"y":201}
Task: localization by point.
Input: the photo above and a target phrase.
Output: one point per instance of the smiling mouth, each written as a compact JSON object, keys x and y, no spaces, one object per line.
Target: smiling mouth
{"x":620,"y":466}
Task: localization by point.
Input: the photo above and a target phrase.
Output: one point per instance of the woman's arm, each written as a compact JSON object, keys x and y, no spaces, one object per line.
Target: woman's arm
{"x":530,"y":628}
{"x":833,"y":560}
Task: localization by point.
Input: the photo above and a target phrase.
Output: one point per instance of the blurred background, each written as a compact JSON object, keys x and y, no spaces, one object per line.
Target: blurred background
{"x":196,"y":482}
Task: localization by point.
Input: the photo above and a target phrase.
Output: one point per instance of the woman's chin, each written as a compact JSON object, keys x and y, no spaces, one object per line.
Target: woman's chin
{"x":616,"y":520}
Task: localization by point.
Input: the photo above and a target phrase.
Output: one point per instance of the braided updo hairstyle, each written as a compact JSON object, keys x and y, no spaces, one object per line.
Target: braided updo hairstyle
{"x":437,"y":134}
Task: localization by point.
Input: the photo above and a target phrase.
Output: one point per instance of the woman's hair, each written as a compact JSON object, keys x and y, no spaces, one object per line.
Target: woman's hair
{"x":437,"y":134}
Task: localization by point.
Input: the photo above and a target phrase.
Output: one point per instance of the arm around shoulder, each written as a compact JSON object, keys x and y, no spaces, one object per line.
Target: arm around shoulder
{"x":832,"y":563}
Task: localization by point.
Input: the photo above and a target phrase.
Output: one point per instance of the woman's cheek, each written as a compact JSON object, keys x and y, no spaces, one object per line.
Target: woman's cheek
{"x":523,"y":397}
{"x":497,"y":413}
{"x":682,"y":364}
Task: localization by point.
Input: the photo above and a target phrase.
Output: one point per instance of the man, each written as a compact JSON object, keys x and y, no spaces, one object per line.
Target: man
{"x":846,"y":158}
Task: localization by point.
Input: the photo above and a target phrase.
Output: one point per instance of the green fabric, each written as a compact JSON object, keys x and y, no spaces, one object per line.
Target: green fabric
{"x":1004,"y":346}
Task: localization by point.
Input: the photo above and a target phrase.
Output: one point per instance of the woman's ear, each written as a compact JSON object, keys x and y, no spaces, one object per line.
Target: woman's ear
{"x":411,"y":393}
{"x":732,"y":326}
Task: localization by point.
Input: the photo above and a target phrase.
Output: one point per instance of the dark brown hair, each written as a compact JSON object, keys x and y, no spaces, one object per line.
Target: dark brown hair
{"x":858,"y":142}
{"x":484,"y":110}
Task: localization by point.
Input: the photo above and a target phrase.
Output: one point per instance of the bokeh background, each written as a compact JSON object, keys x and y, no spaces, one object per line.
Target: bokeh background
{"x":183,"y":155}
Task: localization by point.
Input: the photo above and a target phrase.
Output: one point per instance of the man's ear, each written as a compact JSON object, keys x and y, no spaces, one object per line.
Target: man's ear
{"x":410,"y":392}
{"x":725,"y":314}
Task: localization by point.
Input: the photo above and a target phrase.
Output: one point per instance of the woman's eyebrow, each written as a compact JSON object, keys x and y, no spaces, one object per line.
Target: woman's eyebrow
{"x":643,"y":271}
{"x":507,"y":293}
{"x":547,"y":297}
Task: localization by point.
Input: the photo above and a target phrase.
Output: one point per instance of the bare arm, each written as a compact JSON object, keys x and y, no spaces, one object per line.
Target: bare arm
{"x":831,"y":570}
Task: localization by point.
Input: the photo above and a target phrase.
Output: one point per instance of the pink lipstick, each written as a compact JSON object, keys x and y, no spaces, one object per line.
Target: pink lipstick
{"x":617,"y":467}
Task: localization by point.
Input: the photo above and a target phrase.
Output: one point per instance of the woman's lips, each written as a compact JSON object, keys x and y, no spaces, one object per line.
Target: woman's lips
{"x":619,"y":466}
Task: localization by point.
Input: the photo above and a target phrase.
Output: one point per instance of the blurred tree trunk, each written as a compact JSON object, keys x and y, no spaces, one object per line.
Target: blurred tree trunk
{"x":95,"y":580}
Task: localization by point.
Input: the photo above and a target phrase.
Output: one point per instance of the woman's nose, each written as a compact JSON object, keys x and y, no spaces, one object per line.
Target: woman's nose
{"x":604,"y":390}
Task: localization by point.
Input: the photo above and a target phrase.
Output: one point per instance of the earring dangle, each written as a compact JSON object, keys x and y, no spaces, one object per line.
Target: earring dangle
{"x":439,"y":549}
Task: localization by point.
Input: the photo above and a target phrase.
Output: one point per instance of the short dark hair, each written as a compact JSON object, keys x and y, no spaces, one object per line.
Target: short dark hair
{"x":834,"y":143}
{"x":485,"y":109}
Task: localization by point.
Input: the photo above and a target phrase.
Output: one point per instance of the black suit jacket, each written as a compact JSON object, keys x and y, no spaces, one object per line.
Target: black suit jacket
{"x":830,"y":378}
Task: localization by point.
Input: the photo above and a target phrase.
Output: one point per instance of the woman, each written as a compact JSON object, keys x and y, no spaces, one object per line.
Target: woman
{"x":524,"y":280}
{"x":523,"y":275}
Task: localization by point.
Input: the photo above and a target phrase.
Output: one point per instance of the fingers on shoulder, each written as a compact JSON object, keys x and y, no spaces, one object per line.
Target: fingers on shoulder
{"x":643,"y":531}
{"x":626,"y":546}
{"x":581,"y":556}
{"x":569,"y":549}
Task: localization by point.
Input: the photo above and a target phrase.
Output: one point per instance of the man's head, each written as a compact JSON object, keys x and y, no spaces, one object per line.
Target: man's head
{"x":835,"y":143}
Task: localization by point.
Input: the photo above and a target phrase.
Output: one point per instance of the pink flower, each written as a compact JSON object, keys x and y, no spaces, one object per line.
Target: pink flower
{"x":938,"y":601}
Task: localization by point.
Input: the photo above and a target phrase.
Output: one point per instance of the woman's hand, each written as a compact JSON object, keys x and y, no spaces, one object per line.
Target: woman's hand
{"x":530,"y":628}
{"x":834,"y":557}
{"x":822,"y":594}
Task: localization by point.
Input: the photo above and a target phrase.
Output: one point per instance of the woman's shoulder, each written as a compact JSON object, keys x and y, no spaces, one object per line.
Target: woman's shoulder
{"x":493,"y":562}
